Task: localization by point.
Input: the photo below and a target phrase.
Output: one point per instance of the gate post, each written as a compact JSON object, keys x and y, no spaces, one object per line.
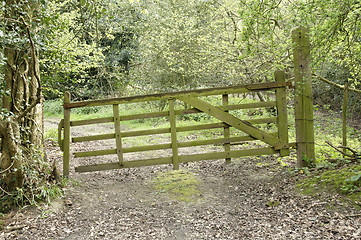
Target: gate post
{"x":303,"y":97}
{"x":282,"y":118}
{"x":66,"y":146}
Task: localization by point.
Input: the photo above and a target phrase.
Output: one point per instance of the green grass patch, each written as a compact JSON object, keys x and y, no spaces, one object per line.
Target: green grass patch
{"x":179,"y":184}
{"x":52,"y":134}
{"x":345,"y":181}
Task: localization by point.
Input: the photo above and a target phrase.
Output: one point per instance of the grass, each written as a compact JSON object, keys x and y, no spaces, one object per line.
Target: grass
{"x":51,"y":134}
{"x":180,"y":185}
{"x":333,"y":173}
{"x":345,"y":182}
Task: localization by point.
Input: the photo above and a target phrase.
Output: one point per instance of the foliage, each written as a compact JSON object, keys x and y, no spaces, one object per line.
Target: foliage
{"x":39,"y":184}
{"x":333,"y":29}
{"x":88,"y":47}
{"x":184,"y":46}
{"x":51,"y":134}
{"x":53,"y":108}
{"x":345,"y":181}
{"x":96,"y":48}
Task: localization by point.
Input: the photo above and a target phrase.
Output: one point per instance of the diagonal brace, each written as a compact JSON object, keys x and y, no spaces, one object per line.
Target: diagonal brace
{"x":231,"y":120}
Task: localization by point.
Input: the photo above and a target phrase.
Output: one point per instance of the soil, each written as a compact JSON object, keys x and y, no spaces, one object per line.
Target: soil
{"x":251,"y":198}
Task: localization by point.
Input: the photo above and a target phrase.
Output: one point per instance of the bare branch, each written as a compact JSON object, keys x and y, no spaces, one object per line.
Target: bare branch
{"x":353,"y":157}
{"x":28,"y":109}
{"x":8,"y":168}
{"x":10,"y":19}
{"x":5,"y":191}
{"x":335,"y":84}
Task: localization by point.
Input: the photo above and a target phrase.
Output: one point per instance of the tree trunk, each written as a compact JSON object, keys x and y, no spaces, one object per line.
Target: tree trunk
{"x":22,"y":129}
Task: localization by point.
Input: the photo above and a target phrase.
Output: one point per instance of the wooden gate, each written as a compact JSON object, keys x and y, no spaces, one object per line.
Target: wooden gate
{"x":276,"y":142}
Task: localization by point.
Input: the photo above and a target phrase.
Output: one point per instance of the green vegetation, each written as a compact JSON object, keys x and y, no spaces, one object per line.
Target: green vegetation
{"x":40,"y":185}
{"x":180,"y":185}
{"x":51,"y":134}
{"x":345,"y":181}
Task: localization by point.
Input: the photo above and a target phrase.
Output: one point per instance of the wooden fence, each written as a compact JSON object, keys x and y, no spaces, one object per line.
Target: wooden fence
{"x":276,"y":142}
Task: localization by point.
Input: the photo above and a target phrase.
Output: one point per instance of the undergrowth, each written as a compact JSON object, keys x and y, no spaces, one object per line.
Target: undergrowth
{"x":40,"y":184}
{"x":344,"y":181}
{"x":331,"y":171}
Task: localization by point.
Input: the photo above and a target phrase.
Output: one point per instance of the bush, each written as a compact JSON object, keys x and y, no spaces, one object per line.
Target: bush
{"x":53,"y":107}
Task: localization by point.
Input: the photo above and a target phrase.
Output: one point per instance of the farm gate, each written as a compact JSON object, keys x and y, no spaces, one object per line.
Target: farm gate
{"x":235,"y":130}
{"x":275,"y":142}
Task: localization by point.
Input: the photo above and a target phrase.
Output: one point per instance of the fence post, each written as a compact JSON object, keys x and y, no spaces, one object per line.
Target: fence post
{"x":303,"y":97}
{"x":344,"y":116}
{"x":282,"y":119}
{"x":226,"y":133}
{"x":173,"y":132}
{"x":66,"y":153}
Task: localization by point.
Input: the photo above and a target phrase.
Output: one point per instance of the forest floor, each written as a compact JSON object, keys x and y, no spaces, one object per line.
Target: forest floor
{"x":251,"y":198}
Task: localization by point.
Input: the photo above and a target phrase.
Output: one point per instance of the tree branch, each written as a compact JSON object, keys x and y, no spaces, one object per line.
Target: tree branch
{"x":334,"y":84}
{"x":28,"y":109}
{"x":10,"y":19}
{"x":353,"y":156}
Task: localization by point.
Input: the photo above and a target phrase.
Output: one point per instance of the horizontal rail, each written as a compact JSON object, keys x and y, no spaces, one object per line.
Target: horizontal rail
{"x":128,"y":164}
{"x":166,"y":113}
{"x":91,"y":121}
{"x":249,"y":105}
{"x":93,"y":137}
{"x":191,"y":93}
{"x":182,"y":158}
{"x":167,"y":130}
{"x":166,"y":146}
{"x":230,"y":154}
{"x":125,"y":150}
{"x":95,"y":153}
{"x":215,"y":141}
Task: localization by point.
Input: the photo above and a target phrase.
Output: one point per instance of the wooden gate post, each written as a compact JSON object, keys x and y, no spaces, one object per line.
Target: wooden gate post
{"x":66,"y":146}
{"x":303,"y":97}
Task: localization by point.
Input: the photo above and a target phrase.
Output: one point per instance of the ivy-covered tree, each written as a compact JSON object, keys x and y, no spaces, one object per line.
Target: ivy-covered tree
{"x":21,"y":124}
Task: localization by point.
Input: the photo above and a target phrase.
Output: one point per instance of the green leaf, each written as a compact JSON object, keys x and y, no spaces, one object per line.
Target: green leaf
{"x":355,"y":178}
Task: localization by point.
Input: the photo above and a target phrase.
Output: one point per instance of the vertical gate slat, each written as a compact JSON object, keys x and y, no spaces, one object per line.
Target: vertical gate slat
{"x":66,"y":146}
{"x":282,"y":120}
{"x":226,"y":132}
{"x":118,"y":138}
{"x":172,"y":119}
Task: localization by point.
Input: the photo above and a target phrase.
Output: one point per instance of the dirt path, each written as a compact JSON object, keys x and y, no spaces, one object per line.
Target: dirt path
{"x":251,"y":198}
